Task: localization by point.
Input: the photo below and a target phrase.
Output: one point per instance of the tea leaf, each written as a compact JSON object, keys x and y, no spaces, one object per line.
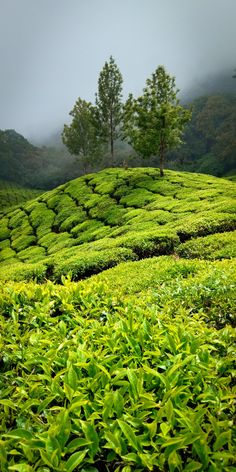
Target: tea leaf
{"x":129,"y":434}
{"x":74,"y":460}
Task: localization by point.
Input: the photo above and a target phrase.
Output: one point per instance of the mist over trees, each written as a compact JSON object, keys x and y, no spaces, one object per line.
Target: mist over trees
{"x":209,"y":143}
{"x":153,"y":123}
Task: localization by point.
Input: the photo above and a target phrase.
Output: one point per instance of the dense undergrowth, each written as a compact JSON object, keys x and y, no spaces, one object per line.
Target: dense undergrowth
{"x":132,"y":369}
{"x":100,"y":220}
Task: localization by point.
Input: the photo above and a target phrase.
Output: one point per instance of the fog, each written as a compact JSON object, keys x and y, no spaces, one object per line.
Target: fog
{"x":51,"y":51}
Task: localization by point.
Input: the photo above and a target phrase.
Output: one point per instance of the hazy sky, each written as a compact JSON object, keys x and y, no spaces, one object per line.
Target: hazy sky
{"x":51,"y":51}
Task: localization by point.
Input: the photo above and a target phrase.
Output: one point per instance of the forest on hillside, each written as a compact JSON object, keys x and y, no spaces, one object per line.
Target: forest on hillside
{"x":209,"y":145}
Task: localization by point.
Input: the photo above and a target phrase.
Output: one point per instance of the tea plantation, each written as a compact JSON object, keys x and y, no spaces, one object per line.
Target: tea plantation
{"x":133,"y":368}
{"x":12,"y":194}
{"x":97,"y":221}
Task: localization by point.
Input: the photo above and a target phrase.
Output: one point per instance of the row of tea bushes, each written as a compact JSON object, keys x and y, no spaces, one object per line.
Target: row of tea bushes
{"x":133,"y":212}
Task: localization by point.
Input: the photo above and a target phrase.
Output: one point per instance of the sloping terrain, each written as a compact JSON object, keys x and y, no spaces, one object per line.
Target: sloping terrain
{"x":12,"y":194}
{"x":95,"y":222}
{"x":132,"y":369}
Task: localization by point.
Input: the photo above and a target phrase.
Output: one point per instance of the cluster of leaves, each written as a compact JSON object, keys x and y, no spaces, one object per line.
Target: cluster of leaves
{"x":12,"y":194}
{"x":92,"y":379}
{"x":97,"y":221}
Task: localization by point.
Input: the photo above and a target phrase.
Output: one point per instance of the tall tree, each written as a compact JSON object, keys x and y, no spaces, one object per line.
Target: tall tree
{"x":108,"y":101}
{"x":82,"y":137}
{"x":154,"y":122}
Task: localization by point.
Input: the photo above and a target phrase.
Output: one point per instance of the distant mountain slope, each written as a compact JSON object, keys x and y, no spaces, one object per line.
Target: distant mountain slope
{"x":16,"y":155}
{"x":13,"y":194}
{"x":96,"y":221}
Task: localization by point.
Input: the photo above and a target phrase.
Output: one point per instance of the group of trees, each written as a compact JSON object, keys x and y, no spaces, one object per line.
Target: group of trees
{"x":152,"y":123}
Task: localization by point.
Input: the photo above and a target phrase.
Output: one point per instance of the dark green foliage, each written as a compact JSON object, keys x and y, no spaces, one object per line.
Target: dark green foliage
{"x":108,"y":102}
{"x":4,"y":229}
{"x":154,"y":123}
{"x":82,"y":136}
{"x":210,"y":136}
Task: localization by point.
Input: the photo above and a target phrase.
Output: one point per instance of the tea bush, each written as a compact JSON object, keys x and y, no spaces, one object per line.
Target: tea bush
{"x":133,"y":209}
{"x":215,"y":246}
{"x":108,"y":375}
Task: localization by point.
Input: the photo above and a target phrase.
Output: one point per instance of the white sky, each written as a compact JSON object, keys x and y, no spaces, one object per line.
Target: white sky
{"x":51,"y":51}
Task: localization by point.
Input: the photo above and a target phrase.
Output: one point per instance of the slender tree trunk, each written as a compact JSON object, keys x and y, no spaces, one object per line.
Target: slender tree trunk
{"x":112,"y":148}
{"x":161,"y":154}
{"x":111,"y":139}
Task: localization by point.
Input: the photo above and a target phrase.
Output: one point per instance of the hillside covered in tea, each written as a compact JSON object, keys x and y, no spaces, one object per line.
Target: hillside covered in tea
{"x":133,"y":368}
{"x":96,"y":221}
{"x":12,"y":194}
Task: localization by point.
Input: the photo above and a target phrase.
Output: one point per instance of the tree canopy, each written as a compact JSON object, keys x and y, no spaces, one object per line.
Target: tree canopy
{"x":108,"y":101}
{"x":82,"y":136}
{"x":154,"y":122}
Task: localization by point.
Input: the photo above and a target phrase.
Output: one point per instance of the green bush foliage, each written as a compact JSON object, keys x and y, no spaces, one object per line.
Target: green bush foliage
{"x":130,"y":370}
{"x":215,"y":246}
{"x":131,"y":209}
{"x":83,"y":264}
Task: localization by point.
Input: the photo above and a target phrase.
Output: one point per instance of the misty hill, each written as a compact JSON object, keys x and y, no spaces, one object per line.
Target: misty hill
{"x":31,"y":166}
{"x":214,"y":84}
{"x":16,"y":154}
{"x":209,"y":139}
{"x":99,"y":220}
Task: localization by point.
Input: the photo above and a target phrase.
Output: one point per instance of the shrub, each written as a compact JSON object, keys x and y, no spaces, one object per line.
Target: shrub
{"x":149,"y":243}
{"x":79,"y":191}
{"x":4,"y":231}
{"x":215,"y":246}
{"x":137,"y":198}
{"x":7,"y":253}
{"x":51,"y":240}
{"x":41,"y":216}
{"x":83,"y":264}
{"x":78,"y":216}
{"x":23,"y":241}
{"x":32,"y":254}
{"x":204,"y":224}
{"x":4,"y":244}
